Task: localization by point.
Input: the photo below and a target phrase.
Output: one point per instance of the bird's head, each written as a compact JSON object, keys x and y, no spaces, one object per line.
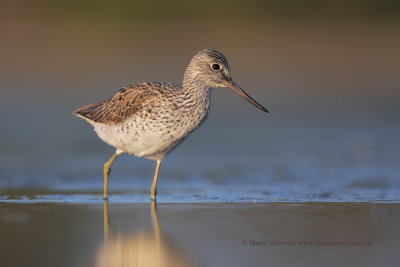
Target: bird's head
{"x":211,"y":68}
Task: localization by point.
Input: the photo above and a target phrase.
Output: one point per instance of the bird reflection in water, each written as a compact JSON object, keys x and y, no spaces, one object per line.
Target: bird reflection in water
{"x":144,"y":248}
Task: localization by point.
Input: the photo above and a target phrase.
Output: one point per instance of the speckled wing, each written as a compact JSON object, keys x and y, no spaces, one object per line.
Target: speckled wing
{"x":128,"y":101}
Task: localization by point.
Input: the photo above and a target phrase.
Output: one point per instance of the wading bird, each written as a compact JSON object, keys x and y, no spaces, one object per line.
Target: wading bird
{"x":151,"y":119}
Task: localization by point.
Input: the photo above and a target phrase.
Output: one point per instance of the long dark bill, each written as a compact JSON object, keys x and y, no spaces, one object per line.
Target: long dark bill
{"x":231,"y":84}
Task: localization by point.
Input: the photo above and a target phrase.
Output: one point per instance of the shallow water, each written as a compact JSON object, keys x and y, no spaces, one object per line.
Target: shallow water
{"x":198,"y":234}
{"x":219,"y":162}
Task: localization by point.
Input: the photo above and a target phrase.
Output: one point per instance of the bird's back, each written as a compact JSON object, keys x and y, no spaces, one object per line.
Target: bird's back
{"x":126,"y":102}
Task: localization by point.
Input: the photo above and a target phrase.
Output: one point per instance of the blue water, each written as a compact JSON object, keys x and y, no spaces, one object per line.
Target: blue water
{"x":237,"y":155}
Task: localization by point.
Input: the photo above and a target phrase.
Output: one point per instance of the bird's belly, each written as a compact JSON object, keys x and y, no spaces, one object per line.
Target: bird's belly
{"x":142,"y":138}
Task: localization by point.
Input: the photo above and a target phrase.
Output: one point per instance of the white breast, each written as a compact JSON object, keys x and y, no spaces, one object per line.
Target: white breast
{"x":144,"y":137}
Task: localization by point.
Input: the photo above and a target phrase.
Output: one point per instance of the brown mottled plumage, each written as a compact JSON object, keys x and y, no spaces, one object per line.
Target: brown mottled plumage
{"x":151,"y":119}
{"x":123,"y":104}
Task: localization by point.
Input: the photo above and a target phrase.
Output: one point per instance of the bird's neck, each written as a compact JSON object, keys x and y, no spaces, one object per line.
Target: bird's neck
{"x":196,"y":96}
{"x":193,"y":83}
{"x":196,"y":89}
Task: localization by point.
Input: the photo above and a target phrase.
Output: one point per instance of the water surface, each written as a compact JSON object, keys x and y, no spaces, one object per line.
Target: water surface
{"x":199,"y":234}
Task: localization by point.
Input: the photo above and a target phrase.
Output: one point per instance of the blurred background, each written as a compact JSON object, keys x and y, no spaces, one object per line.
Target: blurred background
{"x":328,"y":71}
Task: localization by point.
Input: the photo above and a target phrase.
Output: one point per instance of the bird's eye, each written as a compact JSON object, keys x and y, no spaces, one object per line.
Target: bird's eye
{"x":215,"y":66}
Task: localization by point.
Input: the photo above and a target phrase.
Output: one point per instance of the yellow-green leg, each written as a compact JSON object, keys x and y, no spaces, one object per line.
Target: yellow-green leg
{"x":107,"y":170}
{"x":154,"y":185}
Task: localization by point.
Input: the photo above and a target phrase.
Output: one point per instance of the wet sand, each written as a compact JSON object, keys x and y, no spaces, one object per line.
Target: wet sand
{"x":198,"y":234}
